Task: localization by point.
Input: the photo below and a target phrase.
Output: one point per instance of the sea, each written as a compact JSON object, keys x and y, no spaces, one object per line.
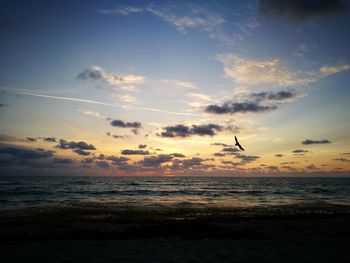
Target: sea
{"x":170,"y":192}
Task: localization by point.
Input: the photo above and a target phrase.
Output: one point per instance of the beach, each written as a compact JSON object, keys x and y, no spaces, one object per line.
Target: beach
{"x":278,"y":234}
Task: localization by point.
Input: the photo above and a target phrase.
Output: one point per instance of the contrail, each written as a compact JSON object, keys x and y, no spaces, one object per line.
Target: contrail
{"x":98,"y":102}
{"x":67,"y":98}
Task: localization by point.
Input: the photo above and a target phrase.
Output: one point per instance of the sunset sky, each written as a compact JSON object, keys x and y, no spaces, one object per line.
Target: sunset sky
{"x":162,"y":87}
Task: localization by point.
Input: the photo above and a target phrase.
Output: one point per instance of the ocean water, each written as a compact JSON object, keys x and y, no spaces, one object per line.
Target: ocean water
{"x":170,"y":192}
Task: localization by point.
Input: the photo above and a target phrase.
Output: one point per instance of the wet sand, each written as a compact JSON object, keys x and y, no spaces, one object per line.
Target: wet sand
{"x":106,"y":234}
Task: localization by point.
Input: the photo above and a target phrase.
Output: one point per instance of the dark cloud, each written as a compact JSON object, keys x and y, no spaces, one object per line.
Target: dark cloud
{"x":238,"y":107}
{"x":254,"y":103}
{"x":178,"y":155}
{"x":232,"y":163}
{"x":307,"y":141}
{"x":63,"y":144}
{"x":122,"y":124}
{"x":116,"y":136}
{"x":23,"y":153}
{"x":278,"y":155}
{"x":81,"y":152}
{"x":247,"y":158}
{"x":300,"y":151}
{"x":342,"y":160}
{"x":62,"y":161}
{"x":219,"y":154}
{"x":221,"y":144}
{"x":142,"y":146}
{"x":134,"y":152}
{"x":300,"y":10}
{"x":30,"y":139}
{"x":87,"y":160}
{"x":90,"y":74}
{"x":102,"y":164}
{"x":272,"y":168}
{"x":230,"y":149}
{"x":156,"y":161}
{"x":312,"y":167}
{"x":194,"y":161}
{"x":277,"y":96}
{"x":49,"y":139}
{"x":118,"y":160}
{"x":186,"y":131}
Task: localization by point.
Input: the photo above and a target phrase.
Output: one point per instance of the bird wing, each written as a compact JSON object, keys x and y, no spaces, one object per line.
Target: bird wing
{"x":236,"y":140}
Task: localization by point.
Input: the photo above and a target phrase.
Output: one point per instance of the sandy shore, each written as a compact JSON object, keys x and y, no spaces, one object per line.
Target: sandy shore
{"x":283,"y":234}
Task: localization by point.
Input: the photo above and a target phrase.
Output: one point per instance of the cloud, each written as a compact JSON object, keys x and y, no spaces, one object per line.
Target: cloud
{"x":198,"y":100}
{"x":187,"y":165}
{"x":142,"y":146}
{"x":342,"y":160}
{"x":252,"y":102}
{"x":122,"y":124}
{"x":300,"y":10}
{"x":177,"y":84}
{"x":63,"y":144}
{"x":250,"y":72}
{"x":181,"y":130}
{"x":126,"y":98}
{"x":328,"y":70}
{"x":307,"y":141}
{"x":23,"y":153}
{"x":102,"y":164}
{"x":231,"y":107}
{"x":156,"y":161}
{"x":247,"y":158}
{"x":114,"y":79}
{"x":232,"y":163}
{"x":62,"y":161}
{"x":278,"y":155}
{"x":275,"y":96}
{"x":29,"y":139}
{"x":134,"y":152}
{"x":81,"y":152}
{"x":49,"y":139}
{"x":300,"y":151}
{"x":178,"y":155}
{"x":219,"y":154}
{"x":187,"y":18}
{"x":230,"y":149}
{"x":118,"y":160}
{"x":126,"y":10}
{"x":87,"y":160}
{"x":91,"y":113}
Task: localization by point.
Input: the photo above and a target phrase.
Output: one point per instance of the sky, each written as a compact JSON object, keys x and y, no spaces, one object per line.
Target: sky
{"x":162,"y":87}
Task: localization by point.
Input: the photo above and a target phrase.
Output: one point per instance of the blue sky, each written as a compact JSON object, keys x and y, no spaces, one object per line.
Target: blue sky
{"x":194,"y":74}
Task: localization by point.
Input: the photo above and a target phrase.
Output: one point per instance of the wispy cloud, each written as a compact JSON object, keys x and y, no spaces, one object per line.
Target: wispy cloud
{"x":246,"y":71}
{"x":92,"y":113}
{"x":328,"y":70}
{"x":190,"y":18}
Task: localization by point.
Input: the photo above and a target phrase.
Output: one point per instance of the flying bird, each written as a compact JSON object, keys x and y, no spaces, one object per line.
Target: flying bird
{"x":238,"y":144}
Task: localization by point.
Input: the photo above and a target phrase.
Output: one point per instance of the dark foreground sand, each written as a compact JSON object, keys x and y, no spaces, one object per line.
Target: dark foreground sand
{"x":282,"y":234}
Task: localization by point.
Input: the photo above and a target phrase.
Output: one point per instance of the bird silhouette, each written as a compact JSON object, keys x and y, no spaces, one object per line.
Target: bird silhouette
{"x":238,"y":144}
